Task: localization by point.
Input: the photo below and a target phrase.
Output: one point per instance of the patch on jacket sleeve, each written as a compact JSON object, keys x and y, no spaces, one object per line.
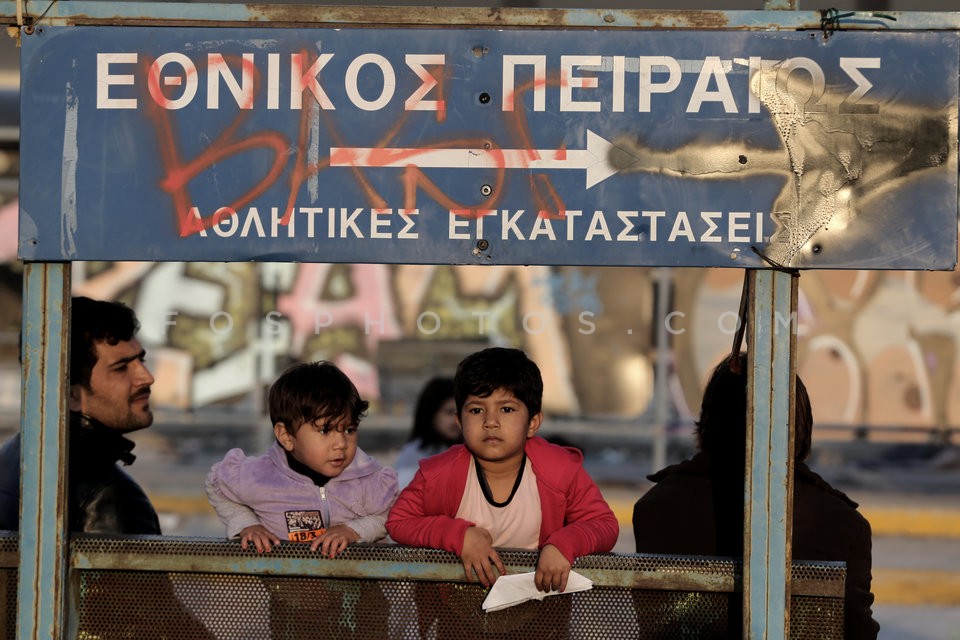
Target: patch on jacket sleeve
{"x":303,"y":526}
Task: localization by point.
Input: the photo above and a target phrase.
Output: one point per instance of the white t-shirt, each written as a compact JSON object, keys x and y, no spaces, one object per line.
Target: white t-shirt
{"x":513,"y":523}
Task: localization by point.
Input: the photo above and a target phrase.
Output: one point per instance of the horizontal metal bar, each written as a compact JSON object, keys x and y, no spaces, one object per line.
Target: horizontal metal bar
{"x":394,"y":562}
{"x":285,"y":560}
{"x":281,"y":15}
{"x":214,"y":555}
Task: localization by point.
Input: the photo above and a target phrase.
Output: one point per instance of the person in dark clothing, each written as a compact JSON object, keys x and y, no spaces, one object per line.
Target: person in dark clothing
{"x":109,"y":396}
{"x":697,"y":507}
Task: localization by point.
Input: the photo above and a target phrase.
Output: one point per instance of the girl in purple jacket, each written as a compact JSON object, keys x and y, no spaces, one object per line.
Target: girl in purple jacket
{"x":314,"y":484}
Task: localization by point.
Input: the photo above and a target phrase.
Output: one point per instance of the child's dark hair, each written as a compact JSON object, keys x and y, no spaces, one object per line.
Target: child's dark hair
{"x":312,"y":391}
{"x":433,"y":396}
{"x":93,"y":321}
{"x":483,"y":372}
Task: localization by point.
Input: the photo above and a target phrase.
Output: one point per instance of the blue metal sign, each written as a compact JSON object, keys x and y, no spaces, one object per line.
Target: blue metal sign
{"x":469,"y":146}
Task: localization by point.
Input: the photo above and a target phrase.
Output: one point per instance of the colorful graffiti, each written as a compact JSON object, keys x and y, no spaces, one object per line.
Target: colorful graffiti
{"x":875,"y":348}
{"x":878,"y":349}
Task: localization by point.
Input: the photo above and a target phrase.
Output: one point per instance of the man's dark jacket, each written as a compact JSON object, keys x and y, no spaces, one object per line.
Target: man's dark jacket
{"x":698,"y":510}
{"x":102,"y":498}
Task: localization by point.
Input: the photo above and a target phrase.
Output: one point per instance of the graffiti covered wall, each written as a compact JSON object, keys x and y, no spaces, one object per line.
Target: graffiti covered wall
{"x":875,"y":348}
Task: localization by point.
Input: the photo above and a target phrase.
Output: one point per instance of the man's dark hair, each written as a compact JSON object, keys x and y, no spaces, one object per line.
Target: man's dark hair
{"x":432,"y":397}
{"x":93,"y":321}
{"x":483,"y":372}
{"x":312,"y":391}
{"x":722,"y":427}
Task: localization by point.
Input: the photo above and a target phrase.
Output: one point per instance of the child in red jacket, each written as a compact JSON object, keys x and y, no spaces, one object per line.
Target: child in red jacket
{"x":505,"y":486}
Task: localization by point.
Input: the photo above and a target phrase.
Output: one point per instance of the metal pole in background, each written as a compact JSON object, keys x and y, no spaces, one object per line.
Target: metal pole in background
{"x":43,"y":451}
{"x":661,"y":371}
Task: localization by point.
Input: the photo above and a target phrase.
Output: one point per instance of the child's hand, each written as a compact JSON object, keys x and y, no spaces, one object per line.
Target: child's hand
{"x":553,"y":569}
{"x":334,"y":540}
{"x":259,"y":536}
{"x":479,"y":556}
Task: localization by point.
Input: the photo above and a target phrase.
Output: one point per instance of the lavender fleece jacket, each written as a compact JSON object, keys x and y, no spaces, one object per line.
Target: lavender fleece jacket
{"x":246,"y":490}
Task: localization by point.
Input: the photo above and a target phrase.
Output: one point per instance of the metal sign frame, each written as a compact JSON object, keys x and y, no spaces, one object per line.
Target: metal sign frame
{"x":43,"y":537}
{"x":656,"y":148}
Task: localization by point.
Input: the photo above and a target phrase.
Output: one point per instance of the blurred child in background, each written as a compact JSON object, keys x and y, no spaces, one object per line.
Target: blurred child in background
{"x":434,"y":428}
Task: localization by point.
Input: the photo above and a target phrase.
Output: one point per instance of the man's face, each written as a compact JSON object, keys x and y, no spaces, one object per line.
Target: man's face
{"x":119,"y":393}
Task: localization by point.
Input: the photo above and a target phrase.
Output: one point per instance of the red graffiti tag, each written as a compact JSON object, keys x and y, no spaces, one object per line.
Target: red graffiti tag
{"x":178,"y":171}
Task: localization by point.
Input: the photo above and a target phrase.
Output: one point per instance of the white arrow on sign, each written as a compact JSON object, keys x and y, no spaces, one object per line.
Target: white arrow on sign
{"x":593,"y":159}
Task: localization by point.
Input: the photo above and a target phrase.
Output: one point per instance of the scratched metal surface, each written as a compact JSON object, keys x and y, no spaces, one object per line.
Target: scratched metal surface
{"x":841,"y":154}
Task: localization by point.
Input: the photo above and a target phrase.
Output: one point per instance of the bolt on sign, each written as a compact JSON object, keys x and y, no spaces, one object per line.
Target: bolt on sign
{"x":471,"y":146}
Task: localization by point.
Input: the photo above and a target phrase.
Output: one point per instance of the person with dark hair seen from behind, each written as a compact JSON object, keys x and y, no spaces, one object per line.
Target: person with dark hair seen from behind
{"x":109,"y":397}
{"x":697,"y":507}
{"x":434,"y":428}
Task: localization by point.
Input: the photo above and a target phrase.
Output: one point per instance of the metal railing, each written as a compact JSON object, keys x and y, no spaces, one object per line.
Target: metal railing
{"x":191,"y":588}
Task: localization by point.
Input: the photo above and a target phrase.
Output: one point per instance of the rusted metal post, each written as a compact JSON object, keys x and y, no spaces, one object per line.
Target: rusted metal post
{"x":768,"y":521}
{"x":43,"y":451}
{"x":769,"y":485}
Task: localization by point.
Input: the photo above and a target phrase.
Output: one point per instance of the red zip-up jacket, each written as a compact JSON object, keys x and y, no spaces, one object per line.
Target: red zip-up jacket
{"x":574,"y":516}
